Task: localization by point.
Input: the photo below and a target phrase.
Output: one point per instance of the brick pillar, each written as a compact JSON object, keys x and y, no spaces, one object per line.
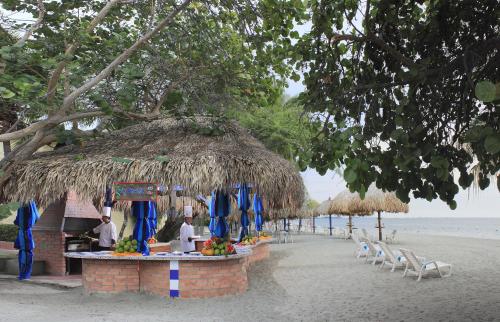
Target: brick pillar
{"x":49,"y":247}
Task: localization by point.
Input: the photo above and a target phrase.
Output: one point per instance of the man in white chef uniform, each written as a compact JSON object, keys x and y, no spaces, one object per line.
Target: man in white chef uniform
{"x":187,"y":236}
{"x":106,"y":231}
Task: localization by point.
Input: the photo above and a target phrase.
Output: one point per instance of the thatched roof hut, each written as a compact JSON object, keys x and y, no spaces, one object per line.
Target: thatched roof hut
{"x":323,"y":208}
{"x":376,"y":200}
{"x":288,"y":213}
{"x":200,"y":153}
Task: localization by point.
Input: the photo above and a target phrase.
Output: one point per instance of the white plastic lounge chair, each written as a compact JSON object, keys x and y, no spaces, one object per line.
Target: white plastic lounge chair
{"x":391,"y":237}
{"x":392,"y":258}
{"x":347,"y":234}
{"x":375,"y":253}
{"x":361,"y":247}
{"x":365,"y":234}
{"x":419,"y":268}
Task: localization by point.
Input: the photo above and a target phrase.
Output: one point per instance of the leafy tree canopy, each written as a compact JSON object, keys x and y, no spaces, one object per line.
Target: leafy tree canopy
{"x":407,"y":92}
{"x":283,"y":127}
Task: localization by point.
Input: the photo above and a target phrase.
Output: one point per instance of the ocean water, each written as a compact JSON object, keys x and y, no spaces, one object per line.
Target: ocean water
{"x":487,"y":228}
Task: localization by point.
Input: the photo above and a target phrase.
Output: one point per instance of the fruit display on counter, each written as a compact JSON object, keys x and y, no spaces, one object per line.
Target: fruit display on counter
{"x":126,"y":246}
{"x":248,"y":240}
{"x":264,"y":236}
{"x":217,"y":247}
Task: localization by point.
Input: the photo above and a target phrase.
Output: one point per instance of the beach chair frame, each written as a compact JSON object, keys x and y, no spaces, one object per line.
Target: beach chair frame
{"x":418,"y":268}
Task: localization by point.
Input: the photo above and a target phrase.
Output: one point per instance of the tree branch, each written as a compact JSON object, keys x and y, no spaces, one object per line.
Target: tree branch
{"x":56,"y":75}
{"x":379,"y":42}
{"x":123,"y":57}
{"x":35,"y":26}
{"x":167,"y":91}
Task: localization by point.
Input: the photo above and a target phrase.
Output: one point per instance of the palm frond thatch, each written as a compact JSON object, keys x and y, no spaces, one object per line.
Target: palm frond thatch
{"x":323,"y":208}
{"x":348,"y":203}
{"x":167,"y":151}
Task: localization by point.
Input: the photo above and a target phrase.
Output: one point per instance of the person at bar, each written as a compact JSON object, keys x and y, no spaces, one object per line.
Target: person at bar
{"x":187,"y":236}
{"x":107,"y":232}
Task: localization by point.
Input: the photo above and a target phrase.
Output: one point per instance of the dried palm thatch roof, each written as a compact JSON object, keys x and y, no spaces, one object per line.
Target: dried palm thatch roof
{"x":288,"y":213}
{"x":323,"y":208}
{"x":199,"y":153}
{"x":348,"y":203}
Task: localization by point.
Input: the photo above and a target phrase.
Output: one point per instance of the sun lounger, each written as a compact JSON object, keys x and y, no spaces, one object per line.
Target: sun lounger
{"x":416,"y":267}
{"x":392,"y":258}
{"x":365,"y":234}
{"x":361,"y":247}
{"x":391,"y":237}
{"x":375,"y":253}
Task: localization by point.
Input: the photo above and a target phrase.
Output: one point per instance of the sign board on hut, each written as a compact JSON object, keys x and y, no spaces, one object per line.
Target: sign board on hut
{"x":136,"y":191}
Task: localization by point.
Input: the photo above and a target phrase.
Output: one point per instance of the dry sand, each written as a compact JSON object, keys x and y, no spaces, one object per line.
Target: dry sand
{"x":314,"y":279}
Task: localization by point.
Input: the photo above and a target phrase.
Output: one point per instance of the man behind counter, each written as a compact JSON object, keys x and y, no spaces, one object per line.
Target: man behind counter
{"x":107,"y":233}
{"x":187,"y":236}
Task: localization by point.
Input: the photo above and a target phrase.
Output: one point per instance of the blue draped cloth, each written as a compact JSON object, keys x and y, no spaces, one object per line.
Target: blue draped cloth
{"x":258,"y":209}
{"x":26,"y":218}
{"x":143,"y":211}
{"x":153,"y":218}
{"x":243,"y":205}
{"x":222,"y":210}
{"x":211,"y":212}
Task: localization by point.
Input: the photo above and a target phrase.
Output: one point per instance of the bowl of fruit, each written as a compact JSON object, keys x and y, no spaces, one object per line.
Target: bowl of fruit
{"x":248,"y":241}
{"x":126,"y":247}
{"x":217,"y":247}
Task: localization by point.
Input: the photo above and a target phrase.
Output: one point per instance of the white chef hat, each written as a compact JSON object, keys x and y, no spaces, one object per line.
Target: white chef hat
{"x":106,"y":211}
{"x":188,"y":211}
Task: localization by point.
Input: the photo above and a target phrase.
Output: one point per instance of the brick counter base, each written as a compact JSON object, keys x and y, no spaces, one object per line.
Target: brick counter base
{"x":197,"y":279}
{"x":259,"y":252}
{"x":8,"y":245}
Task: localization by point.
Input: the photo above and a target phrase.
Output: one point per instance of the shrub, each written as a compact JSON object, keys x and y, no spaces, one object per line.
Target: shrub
{"x":8,"y":232}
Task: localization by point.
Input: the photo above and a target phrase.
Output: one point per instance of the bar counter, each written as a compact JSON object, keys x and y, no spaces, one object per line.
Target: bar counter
{"x":169,"y":274}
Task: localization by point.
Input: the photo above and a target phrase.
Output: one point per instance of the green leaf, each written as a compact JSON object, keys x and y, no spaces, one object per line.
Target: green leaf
{"x":162,"y":158}
{"x":452,"y":204}
{"x":439,"y":162}
{"x":79,"y":157}
{"x":492,"y":143}
{"x":485,"y":91}
{"x":350,"y":175}
{"x":295,"y":77}
{"x":6,"y":93}
{"x":121,"y":160}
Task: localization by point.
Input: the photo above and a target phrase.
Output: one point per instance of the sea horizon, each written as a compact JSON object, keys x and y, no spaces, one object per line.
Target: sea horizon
{"x":471,"y":227}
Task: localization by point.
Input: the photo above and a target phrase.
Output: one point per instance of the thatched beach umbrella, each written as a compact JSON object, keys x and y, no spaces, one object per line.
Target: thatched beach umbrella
{"x":201,"y":154}
{"x":378,"y":201}
{"x":324,"y":209}
{"x":375,"y":200}
{"x":340,"y":205}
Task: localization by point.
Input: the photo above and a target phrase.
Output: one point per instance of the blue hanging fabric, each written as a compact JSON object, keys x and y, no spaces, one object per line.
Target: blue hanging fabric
{"x":243,"y":205}
{"x":26,"y":218}
{"x":222,"y":210}
{"x":142,"y":229}
{"x":152,"y":218}
{"x":258,"y":209}
{"x":211,"y":212}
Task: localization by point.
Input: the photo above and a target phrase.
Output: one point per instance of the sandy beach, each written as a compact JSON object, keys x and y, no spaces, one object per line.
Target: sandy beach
{"x":314,"y":279}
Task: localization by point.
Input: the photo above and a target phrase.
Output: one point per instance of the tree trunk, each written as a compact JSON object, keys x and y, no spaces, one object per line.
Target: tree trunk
{"x":6,"y":148}
{"x":314,"y":225}
{"x":350,"y":224}
{"x":171,"y":228}
{"x":379,"y":227}
{"x":125,"y":222}
{"x":330,"y":220}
